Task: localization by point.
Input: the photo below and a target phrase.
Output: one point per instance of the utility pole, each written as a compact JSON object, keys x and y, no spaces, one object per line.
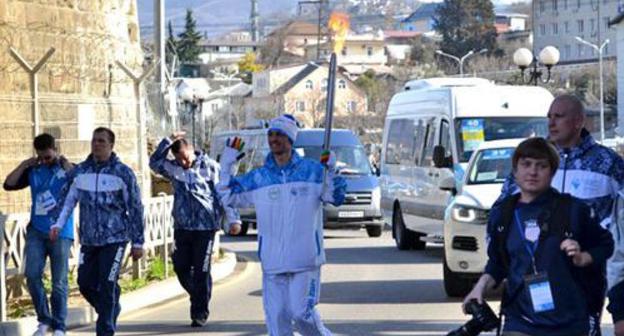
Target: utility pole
{"x":254,"y":17}
{"x":320,"y":4}
{"x":159,"y":42}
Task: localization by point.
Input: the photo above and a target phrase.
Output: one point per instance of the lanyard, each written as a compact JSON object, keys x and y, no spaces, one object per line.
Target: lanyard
{"x":47,"y":182}
{"x":530,"y":247}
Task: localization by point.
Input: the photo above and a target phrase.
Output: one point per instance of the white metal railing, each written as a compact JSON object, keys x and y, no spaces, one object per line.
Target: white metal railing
{"x":158,"y":240}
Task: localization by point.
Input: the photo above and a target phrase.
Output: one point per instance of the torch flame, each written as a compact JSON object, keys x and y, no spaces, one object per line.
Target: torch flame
{"x":339,"y":25}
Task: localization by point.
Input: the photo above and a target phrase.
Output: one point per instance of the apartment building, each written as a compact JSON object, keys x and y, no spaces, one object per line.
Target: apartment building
{"x":558,"y":22}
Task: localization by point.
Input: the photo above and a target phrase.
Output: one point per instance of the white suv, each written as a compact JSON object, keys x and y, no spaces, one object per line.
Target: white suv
{"x":466,"y":217}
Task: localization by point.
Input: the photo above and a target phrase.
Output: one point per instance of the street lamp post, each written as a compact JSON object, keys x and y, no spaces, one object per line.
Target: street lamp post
{"x":599,"y":49}
{"x":460,"y":60}
{"x":523,"y":58}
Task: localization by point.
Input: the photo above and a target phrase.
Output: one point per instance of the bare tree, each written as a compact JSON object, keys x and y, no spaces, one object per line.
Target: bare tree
{"x":273,"y":49}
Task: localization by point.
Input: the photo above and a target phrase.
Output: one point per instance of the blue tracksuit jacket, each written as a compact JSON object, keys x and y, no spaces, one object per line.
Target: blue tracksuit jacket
{"x":111,"y":210}
{"x":196,"y":204}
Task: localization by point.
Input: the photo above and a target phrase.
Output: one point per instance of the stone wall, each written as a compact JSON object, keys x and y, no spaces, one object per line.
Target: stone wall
{"x":80,"y":87}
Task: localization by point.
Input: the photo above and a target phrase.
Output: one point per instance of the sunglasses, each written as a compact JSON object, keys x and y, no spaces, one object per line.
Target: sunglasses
{"x":275,"y":133}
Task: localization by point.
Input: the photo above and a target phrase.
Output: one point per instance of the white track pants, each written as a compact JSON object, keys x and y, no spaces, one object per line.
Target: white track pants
{"x":289,"y":302}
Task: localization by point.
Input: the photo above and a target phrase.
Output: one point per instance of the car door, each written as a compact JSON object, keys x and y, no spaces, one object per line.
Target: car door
{"x":396,"y":180}
{"x":438,"y":135}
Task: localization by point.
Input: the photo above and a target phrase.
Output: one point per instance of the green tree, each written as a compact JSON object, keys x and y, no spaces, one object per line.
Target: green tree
{"x":466,"y":25}
{"x":248,"y":65}
{"x":170,"y":47}
{"x":188,"y":43}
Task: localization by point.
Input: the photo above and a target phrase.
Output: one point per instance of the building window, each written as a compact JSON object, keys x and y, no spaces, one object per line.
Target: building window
{"x":342,"y":84}
{"x":542,"y":29}
{"x":606,"y":49}
{"x":565,"y":4}
{"x":542,"y":6}
{"x":566,"y":27}
{"x":555,"y":29}
{"x":554,"y":5}
{"x":592,"y":23}
{"x":309,"y":85}
{"x":578,"y":4}
{"x":214,"y":107}
{"x":300,"y":106}
{"x":369,"y":51}
{"x":351,"y":106}
{"x":580,"y":25}
{"x":567,"y":52}
{"x":579,"y":50}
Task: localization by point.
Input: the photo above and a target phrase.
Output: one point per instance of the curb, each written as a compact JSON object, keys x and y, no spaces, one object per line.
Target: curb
{"x":150,"y":295}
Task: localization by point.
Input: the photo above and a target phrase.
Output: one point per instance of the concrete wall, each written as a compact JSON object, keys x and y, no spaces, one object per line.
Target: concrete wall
{"x":80,"y":87}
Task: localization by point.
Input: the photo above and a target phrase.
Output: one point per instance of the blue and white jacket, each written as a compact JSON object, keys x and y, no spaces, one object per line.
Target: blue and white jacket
{"x":589,"y":171}
{"x":289,"y":211}
{"x":196,"y":204}
{"x":111,"y":210}
{"x":595,"y":174}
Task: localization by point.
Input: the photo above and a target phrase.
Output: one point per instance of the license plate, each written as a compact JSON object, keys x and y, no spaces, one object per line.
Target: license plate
{"x":350,"y":214}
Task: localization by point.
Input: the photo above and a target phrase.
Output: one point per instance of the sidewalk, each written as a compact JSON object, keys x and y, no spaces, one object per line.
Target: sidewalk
{"x":130,"y":302}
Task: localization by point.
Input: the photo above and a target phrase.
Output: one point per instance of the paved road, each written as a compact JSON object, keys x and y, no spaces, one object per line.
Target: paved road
{"x":369,"y":288}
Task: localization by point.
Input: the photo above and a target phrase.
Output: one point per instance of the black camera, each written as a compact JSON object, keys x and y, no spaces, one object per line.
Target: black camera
{"x":483,"y":319}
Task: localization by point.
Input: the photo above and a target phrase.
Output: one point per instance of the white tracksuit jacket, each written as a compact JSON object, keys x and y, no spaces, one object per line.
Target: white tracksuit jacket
{"x":288,"y":202}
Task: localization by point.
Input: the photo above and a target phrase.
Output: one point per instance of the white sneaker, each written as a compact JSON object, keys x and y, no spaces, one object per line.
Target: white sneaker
{"x":58,"y":333}
{"x":42,"y":330}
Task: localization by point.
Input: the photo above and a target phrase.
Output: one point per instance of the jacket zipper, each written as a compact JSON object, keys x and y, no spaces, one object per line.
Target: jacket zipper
{"x":565,"y":170}
{"x":283,"y":225}
{"x":97,"y":198}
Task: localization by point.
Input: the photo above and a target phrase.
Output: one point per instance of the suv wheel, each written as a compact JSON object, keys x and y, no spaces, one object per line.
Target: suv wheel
{"x":374,"y":230}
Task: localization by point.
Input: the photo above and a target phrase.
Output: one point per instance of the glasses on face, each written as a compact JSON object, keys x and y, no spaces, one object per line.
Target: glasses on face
{"x":274,"y":133}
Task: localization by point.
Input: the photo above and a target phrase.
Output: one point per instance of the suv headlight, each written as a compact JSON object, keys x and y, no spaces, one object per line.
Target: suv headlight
{"x":376,"y":197}
{"x":461,"y":213}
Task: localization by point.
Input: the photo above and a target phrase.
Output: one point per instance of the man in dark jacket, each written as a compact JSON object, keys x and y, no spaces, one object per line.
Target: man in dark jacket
{"x":197,"y":214}
{"x":111,"y":215}
{"x":544,"y":260}
{"x":589,"y":171}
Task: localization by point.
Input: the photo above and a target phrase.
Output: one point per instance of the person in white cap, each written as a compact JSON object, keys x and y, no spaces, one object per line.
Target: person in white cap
{"x":288,"y":193}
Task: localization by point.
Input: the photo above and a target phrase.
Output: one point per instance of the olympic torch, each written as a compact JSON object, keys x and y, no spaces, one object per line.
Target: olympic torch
{"x":339,"y":25}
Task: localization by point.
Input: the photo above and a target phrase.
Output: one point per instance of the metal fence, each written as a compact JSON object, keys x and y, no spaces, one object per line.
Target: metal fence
{"x":158,"y":241}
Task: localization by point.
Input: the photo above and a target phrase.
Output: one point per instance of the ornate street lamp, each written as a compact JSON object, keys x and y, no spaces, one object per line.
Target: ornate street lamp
{"x":524,"y":58}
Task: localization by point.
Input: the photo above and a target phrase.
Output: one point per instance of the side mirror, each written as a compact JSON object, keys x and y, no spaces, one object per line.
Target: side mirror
{"x":439,"y":157}
{"x":377,"y":170}
{"x":448,"y":184}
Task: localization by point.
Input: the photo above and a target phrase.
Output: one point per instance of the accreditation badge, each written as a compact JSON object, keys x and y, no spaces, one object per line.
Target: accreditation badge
{"x":540,"y":293}
{"x":44,"y":203}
